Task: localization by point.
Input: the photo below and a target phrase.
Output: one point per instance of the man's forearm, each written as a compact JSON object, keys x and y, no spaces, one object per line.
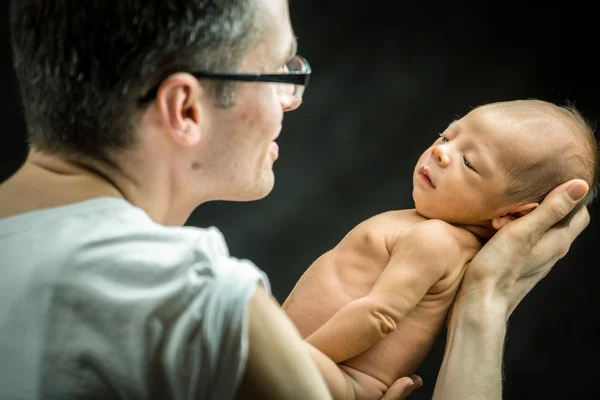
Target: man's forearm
{"x":278,"y":366}
{"x":472,"y":365}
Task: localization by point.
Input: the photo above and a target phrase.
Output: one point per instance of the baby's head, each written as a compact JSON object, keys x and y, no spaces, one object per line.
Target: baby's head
{"x":499,"y":161}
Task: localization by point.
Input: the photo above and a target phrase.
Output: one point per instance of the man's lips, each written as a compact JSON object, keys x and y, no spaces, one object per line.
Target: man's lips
{"x":425,"y":175}
{"x":274,"y":147}
{"x":274,"y":150}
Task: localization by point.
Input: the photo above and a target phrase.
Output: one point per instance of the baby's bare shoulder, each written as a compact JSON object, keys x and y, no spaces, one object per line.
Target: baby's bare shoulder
{"x":391,"y":221}
{"x":443,"y":235}
{"x":382,"y":229}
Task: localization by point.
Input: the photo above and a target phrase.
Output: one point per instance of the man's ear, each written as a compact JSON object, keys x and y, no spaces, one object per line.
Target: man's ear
{"x":178,"y":105}
{"x":513,"y":214}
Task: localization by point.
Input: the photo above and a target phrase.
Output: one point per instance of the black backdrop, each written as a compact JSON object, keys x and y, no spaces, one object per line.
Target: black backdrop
{"x":388,"y":76}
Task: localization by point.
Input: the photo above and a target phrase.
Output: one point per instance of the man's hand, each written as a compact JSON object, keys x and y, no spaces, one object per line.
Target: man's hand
{"x":525,"y":250}
{"x":498,"y":278}
{"x":403,"y":387}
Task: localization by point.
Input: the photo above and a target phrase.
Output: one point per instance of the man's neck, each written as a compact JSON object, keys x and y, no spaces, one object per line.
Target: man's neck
{"x":46,"y":181}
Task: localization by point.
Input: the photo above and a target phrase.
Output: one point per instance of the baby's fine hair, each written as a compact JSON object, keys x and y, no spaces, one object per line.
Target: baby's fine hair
{"x":531,"y":180}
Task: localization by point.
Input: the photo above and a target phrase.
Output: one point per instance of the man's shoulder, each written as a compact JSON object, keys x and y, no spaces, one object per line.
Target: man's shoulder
{"x":128,"y":231}
{"x":102,"y":249}
{"x":108,"y":232}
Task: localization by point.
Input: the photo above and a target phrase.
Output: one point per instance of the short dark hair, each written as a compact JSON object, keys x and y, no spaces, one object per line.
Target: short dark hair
{"x":531,"y":181}
{"x":82,"y":64}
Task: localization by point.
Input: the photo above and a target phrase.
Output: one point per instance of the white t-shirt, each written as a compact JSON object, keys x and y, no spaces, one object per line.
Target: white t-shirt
{"x":99,"y":302}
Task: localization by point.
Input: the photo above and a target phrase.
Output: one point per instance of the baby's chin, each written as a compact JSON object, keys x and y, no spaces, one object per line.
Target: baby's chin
{"x":429,"y":213}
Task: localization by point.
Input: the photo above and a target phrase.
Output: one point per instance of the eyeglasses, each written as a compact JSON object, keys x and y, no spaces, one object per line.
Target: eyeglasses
{"x":296,"y":76}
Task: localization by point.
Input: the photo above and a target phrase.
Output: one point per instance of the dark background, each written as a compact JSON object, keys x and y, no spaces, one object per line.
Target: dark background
{"x":388,"y":77}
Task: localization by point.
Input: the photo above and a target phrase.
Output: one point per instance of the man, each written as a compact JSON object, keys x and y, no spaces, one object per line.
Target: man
{"x":137,"y":113}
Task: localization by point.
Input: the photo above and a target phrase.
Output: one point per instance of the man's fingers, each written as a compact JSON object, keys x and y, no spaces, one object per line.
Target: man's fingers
{"x":567,"y":235}
{"x":557,"y":205}
{"x":417,"y":380}
{"x":402,"y":388}
{"x":578,"y":224}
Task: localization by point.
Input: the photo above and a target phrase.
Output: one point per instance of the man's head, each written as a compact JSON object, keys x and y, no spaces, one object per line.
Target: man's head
{"x":499,"y":161}
{"x":85,"y":66}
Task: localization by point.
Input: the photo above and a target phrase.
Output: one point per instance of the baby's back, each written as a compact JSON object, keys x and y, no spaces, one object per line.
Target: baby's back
{"x":349,"y":272}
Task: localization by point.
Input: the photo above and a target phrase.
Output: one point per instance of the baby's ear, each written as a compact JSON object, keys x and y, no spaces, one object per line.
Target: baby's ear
{"x":524,"y":209}
{"x":515,"y":213}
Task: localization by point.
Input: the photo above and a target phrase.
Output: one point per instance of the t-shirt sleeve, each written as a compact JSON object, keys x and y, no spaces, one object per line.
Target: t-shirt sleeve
{"x":163,"y":321}
{"x":207,"y":346}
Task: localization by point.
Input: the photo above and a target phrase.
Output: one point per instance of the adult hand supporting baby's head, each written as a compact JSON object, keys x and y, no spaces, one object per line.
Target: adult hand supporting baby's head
{"x":524,"y":250}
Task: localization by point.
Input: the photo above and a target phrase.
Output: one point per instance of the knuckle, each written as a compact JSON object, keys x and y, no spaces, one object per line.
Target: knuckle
{"x":559,"y":211}
{"x":529,"y":242}
{"x":520,"y":238}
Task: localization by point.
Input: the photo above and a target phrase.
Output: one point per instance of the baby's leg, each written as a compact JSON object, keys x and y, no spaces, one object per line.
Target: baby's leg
{"x":346,"y":383}
{"x":338,"y":382}
{"x":363,"y":386}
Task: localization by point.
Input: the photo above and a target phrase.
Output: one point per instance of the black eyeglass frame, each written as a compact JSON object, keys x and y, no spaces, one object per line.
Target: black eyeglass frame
{"x":292,"y":78}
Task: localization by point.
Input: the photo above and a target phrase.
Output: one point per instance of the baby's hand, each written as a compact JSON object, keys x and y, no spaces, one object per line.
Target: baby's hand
{"x":403,"y":388}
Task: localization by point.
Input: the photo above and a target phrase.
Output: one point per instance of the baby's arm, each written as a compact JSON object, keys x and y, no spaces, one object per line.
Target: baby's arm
{"x":420,"y":257}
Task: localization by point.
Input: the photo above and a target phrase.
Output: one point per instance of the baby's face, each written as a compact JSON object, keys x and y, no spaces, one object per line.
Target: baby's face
{"x":460,"y":178}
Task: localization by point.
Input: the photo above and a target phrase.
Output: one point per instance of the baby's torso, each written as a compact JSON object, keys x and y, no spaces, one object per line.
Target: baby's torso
{"x":350,"y":270}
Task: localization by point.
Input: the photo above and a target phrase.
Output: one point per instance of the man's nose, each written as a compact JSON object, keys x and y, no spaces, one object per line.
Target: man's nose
{"x":290,"y":102}
{"x":288,"y":95}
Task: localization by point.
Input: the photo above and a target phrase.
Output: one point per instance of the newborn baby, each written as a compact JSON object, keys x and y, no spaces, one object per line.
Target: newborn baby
{"x":376,"y":302}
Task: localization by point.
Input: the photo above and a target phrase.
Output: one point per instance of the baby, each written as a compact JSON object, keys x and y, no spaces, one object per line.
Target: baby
{"x":376,"y":302}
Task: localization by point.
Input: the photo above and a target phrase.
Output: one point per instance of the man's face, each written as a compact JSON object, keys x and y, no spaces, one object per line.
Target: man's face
{"x":459,"y":178}
{"x":242,"y":139}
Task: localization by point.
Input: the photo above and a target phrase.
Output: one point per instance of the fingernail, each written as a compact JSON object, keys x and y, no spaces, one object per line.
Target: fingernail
{"x":576,"y":192}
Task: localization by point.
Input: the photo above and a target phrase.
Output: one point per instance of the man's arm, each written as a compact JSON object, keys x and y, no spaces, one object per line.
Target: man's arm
{"x":419,"y":259}
{"x":472,"y":365}
{"x":278,"y":365}
{"x":498,"y":278}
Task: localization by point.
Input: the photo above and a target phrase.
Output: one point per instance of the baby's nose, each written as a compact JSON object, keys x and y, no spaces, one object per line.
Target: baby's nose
{"x":441,"y":155}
